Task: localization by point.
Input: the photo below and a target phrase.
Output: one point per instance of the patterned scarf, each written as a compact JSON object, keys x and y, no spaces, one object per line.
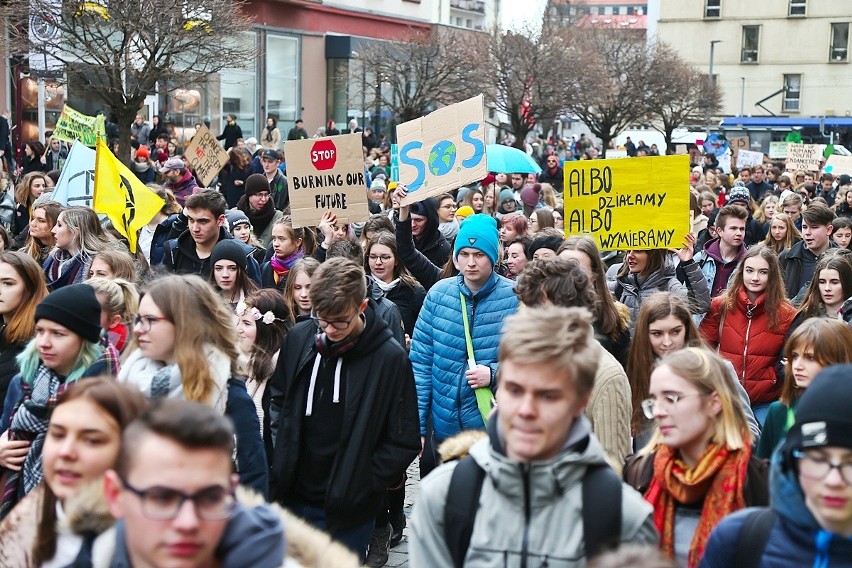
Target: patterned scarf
{"x":30,"y":423}
{"x":718,"y":478}
{"x":281,"y":266}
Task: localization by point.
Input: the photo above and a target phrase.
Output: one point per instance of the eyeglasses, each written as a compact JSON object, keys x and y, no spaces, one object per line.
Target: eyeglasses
{"x":163,"y":504}
{"x":668,"y":403}
{"x":339,"y":325}
{"x":818,"y":467}
{"x":448,"y":206}
{"x":384,"y":258}
{"x":262,"y":195}
{"x":144,"y":322}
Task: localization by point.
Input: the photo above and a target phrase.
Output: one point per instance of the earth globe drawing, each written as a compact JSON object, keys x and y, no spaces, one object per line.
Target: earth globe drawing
{"x":442,"y":157}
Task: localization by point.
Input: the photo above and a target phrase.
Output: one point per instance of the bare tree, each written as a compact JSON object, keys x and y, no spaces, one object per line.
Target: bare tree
{"x":679,"y":93}
{"x":122,"y":50}
{"x":611,"y":89}
{"x":414,"y":74}
{"x":526,"y":75}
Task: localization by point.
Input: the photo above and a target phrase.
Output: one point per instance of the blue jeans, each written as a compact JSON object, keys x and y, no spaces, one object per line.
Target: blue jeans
{"x":355,"y":539}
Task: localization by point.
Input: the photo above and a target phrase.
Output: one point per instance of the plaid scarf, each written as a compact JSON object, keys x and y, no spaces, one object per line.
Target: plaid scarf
{"x":718,"y":479}
{"x":30,"y":423}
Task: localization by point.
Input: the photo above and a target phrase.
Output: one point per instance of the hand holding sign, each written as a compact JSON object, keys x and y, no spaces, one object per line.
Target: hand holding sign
{"x":326,"y":227}
{"x":399,"y":195}
{"x":686,"y":253}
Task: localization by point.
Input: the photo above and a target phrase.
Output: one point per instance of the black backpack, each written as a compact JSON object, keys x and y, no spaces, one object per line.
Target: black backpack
{"x":753,"y":537}
{"x":601,"y":524}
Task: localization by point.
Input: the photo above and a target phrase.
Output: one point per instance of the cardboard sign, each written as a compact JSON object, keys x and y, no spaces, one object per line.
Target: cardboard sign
{"x":73,"y":126}
{"x":838,"y":165}
{"x":206,"y":156}
{"x":777,"y":150}
{"x":725,"y":163}
{"x":803,"y":156}
{"x":442,"y":151}
{"x":327,"y":174}
{"x":738,"y":143}
{"x":749,"y":159}
{"x":642,"y":203}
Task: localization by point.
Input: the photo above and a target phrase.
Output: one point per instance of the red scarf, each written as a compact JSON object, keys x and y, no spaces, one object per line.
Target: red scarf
{"x":718,"y":478}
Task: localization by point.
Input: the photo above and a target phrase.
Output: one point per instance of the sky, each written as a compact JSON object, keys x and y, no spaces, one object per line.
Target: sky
{"x":514,"y":12}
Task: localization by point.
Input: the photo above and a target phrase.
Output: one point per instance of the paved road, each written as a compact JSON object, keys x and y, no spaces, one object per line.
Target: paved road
{"x":398,"y":556}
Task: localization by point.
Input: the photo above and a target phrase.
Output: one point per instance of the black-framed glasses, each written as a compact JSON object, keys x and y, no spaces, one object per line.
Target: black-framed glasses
{"x":339,"y":325}
{"x":383,"y":258}
{"x":145,"y":322}
{"x":818,"y":467}
{"x":668,"y":402}
{"x":213,"y":503}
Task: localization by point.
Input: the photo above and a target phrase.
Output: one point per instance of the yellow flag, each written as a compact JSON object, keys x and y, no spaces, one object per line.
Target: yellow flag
{"x":121,"y":196}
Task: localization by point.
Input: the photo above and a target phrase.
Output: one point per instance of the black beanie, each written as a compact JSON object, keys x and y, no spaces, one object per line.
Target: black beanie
{"x":256,"y":183}
{"x":75,"y":307}
{"x":229,"y":249}
{"x":823,"y":417}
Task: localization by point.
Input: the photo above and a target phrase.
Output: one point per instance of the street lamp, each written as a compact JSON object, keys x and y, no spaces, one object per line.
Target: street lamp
{"x":712,"y":82}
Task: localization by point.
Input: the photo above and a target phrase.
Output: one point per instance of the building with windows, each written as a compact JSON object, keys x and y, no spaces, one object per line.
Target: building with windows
{"x":304,"y":46}
{"x":618,"y":14}
{"x":777,"y":57}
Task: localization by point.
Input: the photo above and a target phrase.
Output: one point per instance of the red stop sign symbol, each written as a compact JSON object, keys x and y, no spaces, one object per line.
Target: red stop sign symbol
{"x":323,"y":154}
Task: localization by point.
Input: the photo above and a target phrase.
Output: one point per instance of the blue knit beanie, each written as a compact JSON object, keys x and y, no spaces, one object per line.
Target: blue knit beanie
{"x":478,"y":232}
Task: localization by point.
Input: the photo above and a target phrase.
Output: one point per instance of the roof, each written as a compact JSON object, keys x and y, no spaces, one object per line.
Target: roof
{"x":784,"y":121}
{"x":633,"y":22}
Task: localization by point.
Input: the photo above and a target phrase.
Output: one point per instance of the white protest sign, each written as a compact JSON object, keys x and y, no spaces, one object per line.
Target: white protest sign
{"x":725,"y":162}
{"x":442,"y":151}
{"x":749,"y":159}
{"x":803,"y":156}
{"x":777,"y":150}
{"x":838,"y":165}
{"x":327,"y":174}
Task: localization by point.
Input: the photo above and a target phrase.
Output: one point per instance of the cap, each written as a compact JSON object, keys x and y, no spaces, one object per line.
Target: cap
{"x":173,"y":163}
{"x":75,"y":307}
{"x":270,"y":155}
{"x":378,"y":184}
{"x":845,"y":179}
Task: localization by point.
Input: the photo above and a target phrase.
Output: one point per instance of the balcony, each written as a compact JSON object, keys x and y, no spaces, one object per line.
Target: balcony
{"x":477,"y":6}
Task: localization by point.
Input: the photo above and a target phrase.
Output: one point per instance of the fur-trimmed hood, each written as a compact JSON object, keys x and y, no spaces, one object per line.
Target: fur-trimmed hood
{"x":458,"y":446}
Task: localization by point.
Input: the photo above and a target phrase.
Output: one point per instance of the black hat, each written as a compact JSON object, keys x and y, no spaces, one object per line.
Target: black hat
{"x":75,"y":307}
{"x":256,"y":183}
{"x":229,"y":249}
{"x":822,"y":415}
{"x":270,"y":154}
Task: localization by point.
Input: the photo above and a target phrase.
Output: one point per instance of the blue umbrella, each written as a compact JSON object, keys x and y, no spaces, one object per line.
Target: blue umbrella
{"x":509,"y":160}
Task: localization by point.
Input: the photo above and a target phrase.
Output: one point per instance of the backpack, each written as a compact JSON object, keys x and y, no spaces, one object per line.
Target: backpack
{"x":601,"y":524}
{"x":754,"y":535}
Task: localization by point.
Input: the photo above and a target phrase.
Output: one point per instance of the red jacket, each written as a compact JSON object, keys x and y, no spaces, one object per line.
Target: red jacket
{"x":748,"y":343}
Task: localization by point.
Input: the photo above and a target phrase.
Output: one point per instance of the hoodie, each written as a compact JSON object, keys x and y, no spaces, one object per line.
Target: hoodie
{"x":431,"y":242}
{"x":716,"y":270}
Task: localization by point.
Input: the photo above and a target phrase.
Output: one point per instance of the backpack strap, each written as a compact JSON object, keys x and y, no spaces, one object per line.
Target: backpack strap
{"x":601,"y":522}
{"x":461,"y":506}
{"x":754,"y":535}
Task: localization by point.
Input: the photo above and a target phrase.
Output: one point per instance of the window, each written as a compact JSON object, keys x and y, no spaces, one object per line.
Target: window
{"x":282,"y":80}
{"x":751,"y":43}
{"x":798,"y":7}
{"x":792,"y":93}
{"x":712,"y":8}
{"x":839,"y":42}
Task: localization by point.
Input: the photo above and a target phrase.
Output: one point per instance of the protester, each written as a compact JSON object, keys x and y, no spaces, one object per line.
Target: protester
{"x":21,"y":290}
{"x":37,"y":240}
{"x":29,"y":188}
{"x":748,"y":324}
{"x":408,"y":235}
{"x":240,"y":228}
{"x":512,"y":226}
{"x":698,"y":467}
{"x":721,"y":255}
{"x":809,"y":522}
{"x":541,"y":219}
{"x":82,"y":442}
{"x":799,"y":261}
{"x":112,"y":263}
{"x":119,"y":301}
{"x":815,"y":344}
{"x":258,"y":207}
{"x":231,"y":132}
{"x":278,"y":187}
{"x":185,"y":347}
{"x":270,"y":136}
{"x":517,"y":257}
{"x":382,"y":262}
{"x":233,"y":176}
{"x":229,"y":277}
{"x":537,"y":438}
{"x":297,"y":290}
{"x":828,"y":289}
{"x":449,"y":226}
{"x":142,"y":166}
{"x":178,"y":179}
{"x":79,"y":236}
{"x":288,"y":246}
{"x":782,"y":233}
{"x":842,"y":233}
{"x":337,"y":450}
{"x":471,"y":306}
{"x":298,"y":131}
{"x":66,"y":348}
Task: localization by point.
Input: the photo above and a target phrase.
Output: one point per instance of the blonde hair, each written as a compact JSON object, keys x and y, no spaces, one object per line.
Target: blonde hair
{"x":707,"y":372}
{"x":561,"y":338}
{"x":760,"y":215}
{"x":120,"y":262}
{"x":120,"y":296}
{"x":792,"y":237}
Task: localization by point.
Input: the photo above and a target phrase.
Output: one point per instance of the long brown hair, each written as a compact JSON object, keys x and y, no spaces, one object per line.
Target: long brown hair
{"x":641,"y":359}
{"x":609,"y":318}
{"x":23,"y":194}
{"x":774,"y":296}
{"x":399,"y":270}
{"x":123,"y":404}
{"x":842,"y":263}
{"x":21,"y":326}
{"x":308,"y":265}
{"x":269,"y":336}
{"x":656,"y":261}
{"x":831,"y":343}
{"x":33,"y":247}
{"x":200,"y":318}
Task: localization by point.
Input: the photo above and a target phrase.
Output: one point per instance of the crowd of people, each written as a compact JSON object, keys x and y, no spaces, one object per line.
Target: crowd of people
{"x":562,"y":403}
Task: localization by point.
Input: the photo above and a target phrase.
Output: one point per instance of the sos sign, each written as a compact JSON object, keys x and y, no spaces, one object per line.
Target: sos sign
{"x":442,"y":156}
{"x":323,"y":154}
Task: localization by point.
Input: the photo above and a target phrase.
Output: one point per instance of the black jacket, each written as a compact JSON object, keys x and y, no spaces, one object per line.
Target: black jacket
{"x":409,"y":300}
{"x":380,"y":433}
{"x":8,"y":365}
{"x":230,"y":134}
{"x":798,"y":265}
{"x":423,"y":269}
{"x":179,"y":257}
{"x":431,"y":242}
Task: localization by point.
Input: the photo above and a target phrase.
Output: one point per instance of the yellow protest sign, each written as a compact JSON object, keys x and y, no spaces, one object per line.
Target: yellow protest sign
{"x":327,"y":174}
{"x":442,"y":151}
{"x":206,"y":156}
{"x":121,"y":196}
{"x":73,"y":126}
{"x":640,"y":203}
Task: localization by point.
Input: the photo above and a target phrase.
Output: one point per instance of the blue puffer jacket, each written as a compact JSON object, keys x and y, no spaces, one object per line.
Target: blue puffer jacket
{"x":439,"y":353}
{"x":795,"y":540}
